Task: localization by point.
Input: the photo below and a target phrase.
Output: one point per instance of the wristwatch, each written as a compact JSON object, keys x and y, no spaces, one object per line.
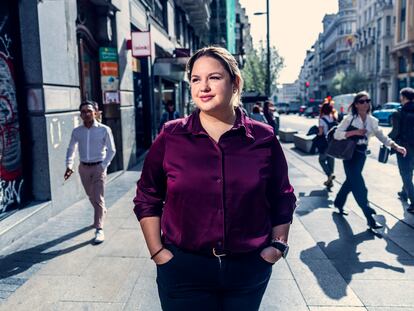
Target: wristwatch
{"x":281,"y":246}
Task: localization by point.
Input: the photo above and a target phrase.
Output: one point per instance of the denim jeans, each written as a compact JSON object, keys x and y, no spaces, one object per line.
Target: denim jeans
{"x":192,"y":281}
{"x":406,"y":167}
{"x":355,"y":183}
{"x":327,"y":163}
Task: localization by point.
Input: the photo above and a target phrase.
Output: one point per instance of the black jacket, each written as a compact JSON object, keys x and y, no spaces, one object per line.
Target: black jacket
{"x":396,"y":126}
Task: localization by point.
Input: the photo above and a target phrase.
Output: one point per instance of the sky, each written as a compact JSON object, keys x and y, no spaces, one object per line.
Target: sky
{"x":294,"y":28}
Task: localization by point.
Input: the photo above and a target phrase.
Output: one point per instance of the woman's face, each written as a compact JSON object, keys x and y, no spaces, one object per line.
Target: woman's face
{"x":362,"y":105}
{"x":211,"y":85}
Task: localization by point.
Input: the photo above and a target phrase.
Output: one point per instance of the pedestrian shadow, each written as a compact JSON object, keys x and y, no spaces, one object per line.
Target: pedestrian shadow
{"x":20,"y":261}
{"x":343,"y":254}
{"x":314,"y":200}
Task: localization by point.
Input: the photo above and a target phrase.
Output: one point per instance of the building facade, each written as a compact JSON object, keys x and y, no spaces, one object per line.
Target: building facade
{"x":374,"y":41}
{"x":403,"y":50}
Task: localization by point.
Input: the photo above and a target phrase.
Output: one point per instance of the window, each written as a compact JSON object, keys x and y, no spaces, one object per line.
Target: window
{"x":387,"y":57}
{"x":403,"y":9}
{"x":402,"y":64}
{"x":160,"y":13}
{"x":388,"y":26}
{"x":379,"y":27}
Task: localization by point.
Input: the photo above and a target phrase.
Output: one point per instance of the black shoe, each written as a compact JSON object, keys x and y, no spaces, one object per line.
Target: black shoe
{"x":410,"y":209}
{"x":376,"y":226}
{"x":342,"y":211}
{"x":402,"y":196}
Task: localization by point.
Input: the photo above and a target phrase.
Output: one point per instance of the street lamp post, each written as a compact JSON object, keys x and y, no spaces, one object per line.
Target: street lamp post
{"x":268,"y":82}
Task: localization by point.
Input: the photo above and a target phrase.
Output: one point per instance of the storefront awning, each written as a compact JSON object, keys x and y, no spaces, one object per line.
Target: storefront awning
{"x":172,"y":68}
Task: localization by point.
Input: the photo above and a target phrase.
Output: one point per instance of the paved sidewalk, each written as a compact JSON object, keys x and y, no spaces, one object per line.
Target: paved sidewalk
{"x":334,"y":262}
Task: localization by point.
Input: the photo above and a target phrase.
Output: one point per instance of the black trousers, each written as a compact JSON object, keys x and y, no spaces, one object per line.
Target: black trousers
{"x":192,"y":281}
{"x":355,"y":183}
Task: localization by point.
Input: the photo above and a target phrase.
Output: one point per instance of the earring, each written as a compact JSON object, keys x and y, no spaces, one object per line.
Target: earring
{"x":234,"y":91}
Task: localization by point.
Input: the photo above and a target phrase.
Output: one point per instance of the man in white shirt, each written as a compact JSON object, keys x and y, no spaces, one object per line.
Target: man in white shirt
{"x":96,"y":150}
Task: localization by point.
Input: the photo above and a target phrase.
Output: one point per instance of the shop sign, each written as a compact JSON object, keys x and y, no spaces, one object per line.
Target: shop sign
{"x":141,"y":44}
{"x":108,"y":58}
{"x":112,"y":98}
{"x":108,"y":55}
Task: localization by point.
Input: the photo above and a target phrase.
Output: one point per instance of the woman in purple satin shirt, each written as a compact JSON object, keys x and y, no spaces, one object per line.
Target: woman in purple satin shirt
{"x":215,"y":184}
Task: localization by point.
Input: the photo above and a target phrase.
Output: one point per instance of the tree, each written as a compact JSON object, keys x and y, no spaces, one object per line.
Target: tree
{"x":254,"y":70}
{"x":344,"y":83}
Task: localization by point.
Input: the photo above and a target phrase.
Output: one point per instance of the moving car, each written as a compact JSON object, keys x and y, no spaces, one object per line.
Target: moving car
{"x":384,"y":114}
{"x":282,"y":107}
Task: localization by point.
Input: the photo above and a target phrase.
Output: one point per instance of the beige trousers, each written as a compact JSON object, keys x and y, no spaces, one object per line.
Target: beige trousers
{"x":93,"y":181}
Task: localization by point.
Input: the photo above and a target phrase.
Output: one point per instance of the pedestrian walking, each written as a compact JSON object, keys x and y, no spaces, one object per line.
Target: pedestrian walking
{"x":326,"y":122}
{"x":360,"y":125}
{"x":96,"y":151}
{"x":216,"y":185}
{"x":169,"y":114}
{"x":403,"y":133}
{"x":257,"y":114}
{"x":268,"y":112}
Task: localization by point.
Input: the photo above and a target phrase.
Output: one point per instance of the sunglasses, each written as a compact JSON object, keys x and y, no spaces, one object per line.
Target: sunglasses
{"x":364,"y":101}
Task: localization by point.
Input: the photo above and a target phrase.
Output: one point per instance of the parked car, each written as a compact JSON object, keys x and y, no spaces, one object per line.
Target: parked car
{"x":293,"y":107}
{"x":282,"y":107}
{"x":312,"y":111}
{"x":384,"y":113}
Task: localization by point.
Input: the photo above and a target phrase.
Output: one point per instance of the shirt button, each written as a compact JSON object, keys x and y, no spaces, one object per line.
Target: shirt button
{"x":218,"y":180}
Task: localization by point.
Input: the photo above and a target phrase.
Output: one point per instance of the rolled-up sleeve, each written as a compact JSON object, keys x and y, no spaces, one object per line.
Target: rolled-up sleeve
{"x":280,"y":192}
{"x":340,"y":132}
{"x":151,"y":187}
{"x":379,"y":133}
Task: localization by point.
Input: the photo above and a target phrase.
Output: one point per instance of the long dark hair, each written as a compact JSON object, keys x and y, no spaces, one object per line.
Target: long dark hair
{"x":357,"y":97}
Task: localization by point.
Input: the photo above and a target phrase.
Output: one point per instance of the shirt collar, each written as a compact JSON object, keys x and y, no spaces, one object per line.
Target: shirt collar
{"x":94,"y":124}
{"x":192,"y":124}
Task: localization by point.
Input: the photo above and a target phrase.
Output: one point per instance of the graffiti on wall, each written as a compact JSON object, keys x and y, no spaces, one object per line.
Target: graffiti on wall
{"x":11,"y":180}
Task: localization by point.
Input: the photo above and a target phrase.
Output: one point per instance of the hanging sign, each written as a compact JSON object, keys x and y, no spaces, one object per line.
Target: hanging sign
{"x":141,"y":44}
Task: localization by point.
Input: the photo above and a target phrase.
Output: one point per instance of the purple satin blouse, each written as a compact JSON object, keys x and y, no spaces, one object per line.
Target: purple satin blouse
{"x":226,"y":195}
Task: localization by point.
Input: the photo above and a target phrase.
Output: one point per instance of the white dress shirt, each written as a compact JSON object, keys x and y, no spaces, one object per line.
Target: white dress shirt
{"x":95,"y":144}
{"x":370,"y":124}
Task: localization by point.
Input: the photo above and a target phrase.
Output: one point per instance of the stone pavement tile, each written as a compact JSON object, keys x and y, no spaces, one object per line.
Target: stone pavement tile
{"x":321,"y":284}
{"x":283,"y":295}
{"x":72,"y":263}
{"x":131,"y":223}
{"x":124,"y":243}
{"x":136,"y":271}
{"x":39,"y":293}
{"x":384,"y":293}
{"x":300,"y":239}
{"x":149,"y":268}
{"x":389,"y":308}
{"x":102,"y":280}
{"x":281,"y":271}
{"x":85,"y":306}
{"x":332,"y":308}
{"x":144,"y":296}
{"x":375,"y":269}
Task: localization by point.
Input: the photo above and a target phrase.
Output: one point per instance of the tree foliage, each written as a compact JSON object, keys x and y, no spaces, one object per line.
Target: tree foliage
{"x":351,"y":82}
{"x":254,"y":70}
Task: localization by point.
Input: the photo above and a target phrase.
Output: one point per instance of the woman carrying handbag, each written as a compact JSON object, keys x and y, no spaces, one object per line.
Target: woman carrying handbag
{"x":365,"y":126}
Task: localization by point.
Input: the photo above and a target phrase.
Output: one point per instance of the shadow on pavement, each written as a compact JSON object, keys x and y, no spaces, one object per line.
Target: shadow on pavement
{"x":23,"y":260}
{"x":342,"y":252}
{"x":312,"y":201}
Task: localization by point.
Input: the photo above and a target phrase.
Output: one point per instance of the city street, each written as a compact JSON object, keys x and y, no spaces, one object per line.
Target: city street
{"x":334,"y":263}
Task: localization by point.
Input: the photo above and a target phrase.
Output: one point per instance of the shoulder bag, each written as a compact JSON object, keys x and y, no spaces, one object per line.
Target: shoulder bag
{"x":341,"y":149}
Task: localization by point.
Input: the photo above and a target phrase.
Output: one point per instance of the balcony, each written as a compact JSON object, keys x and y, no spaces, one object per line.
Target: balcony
{"x":199,"y":13}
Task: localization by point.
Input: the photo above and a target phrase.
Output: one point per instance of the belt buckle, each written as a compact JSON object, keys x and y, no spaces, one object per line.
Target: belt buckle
{"x":218,"y":255}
